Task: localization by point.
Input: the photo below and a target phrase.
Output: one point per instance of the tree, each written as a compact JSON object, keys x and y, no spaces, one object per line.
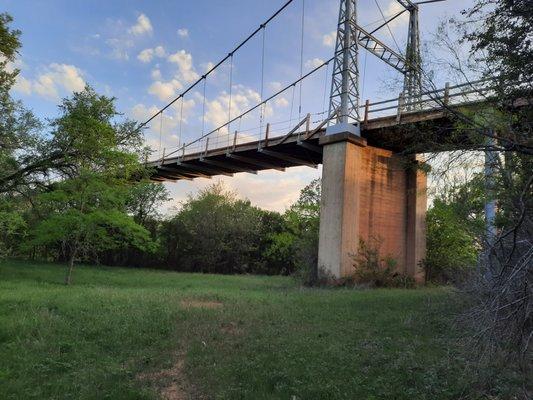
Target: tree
{"x":498,"y":36}
{"x":144,"y":198}
{"x":214,"y":232}
{"x":84,"y":209}
{"x":297,"y":244}
{"x":451,"y":250}
{"x":84,"y":216}
{"x":19,"y":139}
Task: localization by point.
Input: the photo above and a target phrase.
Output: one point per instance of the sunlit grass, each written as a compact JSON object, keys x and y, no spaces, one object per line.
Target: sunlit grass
{"x":238,"y":337}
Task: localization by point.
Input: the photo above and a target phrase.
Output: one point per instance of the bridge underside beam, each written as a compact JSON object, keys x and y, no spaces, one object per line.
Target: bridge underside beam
{"x":255,"y":162}
{"x":227,"y":166}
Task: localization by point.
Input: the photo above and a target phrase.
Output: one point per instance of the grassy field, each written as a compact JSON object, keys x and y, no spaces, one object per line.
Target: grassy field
{"x":139,"y":334}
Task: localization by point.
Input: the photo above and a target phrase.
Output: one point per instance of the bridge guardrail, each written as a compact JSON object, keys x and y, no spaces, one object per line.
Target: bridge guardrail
{"x":430,"y":100}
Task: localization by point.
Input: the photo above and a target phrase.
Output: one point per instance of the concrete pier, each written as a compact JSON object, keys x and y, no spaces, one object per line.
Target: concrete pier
{"x":371,"y":194}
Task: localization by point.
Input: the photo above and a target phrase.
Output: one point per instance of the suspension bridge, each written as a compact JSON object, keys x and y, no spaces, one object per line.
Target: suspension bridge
{"x":371,"y":187}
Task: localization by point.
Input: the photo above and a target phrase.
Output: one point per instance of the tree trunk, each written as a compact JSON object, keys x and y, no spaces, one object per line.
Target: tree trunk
{"x":68,"y":277}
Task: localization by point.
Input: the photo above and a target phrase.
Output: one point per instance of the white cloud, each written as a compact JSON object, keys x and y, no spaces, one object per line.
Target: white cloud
{"x":275,"y":86}
{"x":160,"y":51}
{"x":394,"y":8}
{"x":55,"y":79}
{"x":271,"y":190}
{"x":207,"y":66}
{"x":281,"y":102}
{"x":313,"y":63}
{"x":22,"y":85}
{"x":142,"y":26}
{"x":165,"y":90}
{"x":186,"y":71}
{"x":183,"y":32}
{"x":168,"y":128}
{"x":243,"y":98}
{"x":329,"y":39}
{"x":147,"y":55}
{"x":156,"y":74}
{"x":119,"y":48}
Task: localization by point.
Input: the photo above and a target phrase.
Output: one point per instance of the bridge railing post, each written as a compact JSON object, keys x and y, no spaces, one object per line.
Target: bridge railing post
{"x":307,"y":128}
{"x":367,"y":106}
{"x":267,"y":132}
{"x":401,"y":105}
{"x":234,"y":140}
{"x":206,"y":146}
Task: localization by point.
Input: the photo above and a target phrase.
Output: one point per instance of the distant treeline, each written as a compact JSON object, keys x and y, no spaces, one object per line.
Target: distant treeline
{"x":215,"y":232}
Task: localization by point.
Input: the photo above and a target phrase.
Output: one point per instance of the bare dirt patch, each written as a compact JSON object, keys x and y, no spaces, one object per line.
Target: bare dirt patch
{"x":171,"y":383}
{"x":201,"y":304}
{"x":231,"y":328}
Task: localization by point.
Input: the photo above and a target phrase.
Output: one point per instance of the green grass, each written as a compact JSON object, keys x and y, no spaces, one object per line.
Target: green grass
{"x":111,"y":334}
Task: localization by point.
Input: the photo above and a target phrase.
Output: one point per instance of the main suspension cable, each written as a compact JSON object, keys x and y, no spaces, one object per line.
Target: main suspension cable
{"x":220,"y":62}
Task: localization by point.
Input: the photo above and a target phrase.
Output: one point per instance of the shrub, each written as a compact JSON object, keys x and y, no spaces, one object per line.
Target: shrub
{"x":451,"y":244}
{"x":376,"y":271}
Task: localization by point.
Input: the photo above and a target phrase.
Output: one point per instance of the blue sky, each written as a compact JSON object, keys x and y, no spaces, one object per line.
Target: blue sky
{"x":146,"y":52}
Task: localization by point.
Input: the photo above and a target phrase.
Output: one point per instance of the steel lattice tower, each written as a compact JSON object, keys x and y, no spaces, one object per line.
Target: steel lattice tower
{"x":412,"y":84}
{"x":344,"y":95}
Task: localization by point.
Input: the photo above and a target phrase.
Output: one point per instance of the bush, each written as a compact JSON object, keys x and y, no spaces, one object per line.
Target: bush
{"x":451,"y":249}
{"x":376,"y":271}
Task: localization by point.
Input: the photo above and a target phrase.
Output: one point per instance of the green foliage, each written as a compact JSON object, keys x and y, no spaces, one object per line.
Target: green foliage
{"x":18,"y":127}
{"x":297,"y":245}
{"x":84,"y":216}
{"x":143,"y":200}
{"x":9,"y":45}
{"x":503,"y":41}
{"x":83,"y":212}
{"x":451,"y":247}
{"x":455,"y":228}
{"x":216,"y":232}
{"x":90,"y":139}
{"x":12,"y":231}
{"x":375,"y":270}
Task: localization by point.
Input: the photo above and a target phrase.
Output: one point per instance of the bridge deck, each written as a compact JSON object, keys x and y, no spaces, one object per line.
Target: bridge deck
{"x":297,"y":149}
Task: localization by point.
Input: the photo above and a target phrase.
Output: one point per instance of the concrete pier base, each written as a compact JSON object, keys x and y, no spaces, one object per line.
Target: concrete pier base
{"x":374,"y":195}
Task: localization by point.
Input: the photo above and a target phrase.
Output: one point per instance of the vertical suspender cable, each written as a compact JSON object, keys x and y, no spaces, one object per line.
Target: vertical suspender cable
{"x":203,"y":111}
{"x":181,"y":120}
{"x":230,"y":92}
{"x":262,"y":109}
{"x":160,"y":131}
{"x":301,"y":60}
{"x":292,"y":106}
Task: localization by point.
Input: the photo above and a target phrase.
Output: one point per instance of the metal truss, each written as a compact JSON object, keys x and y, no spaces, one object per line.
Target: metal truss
{"x":412,"y":84}
{"x":381,"y":50}
{"x":344,"y":96}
